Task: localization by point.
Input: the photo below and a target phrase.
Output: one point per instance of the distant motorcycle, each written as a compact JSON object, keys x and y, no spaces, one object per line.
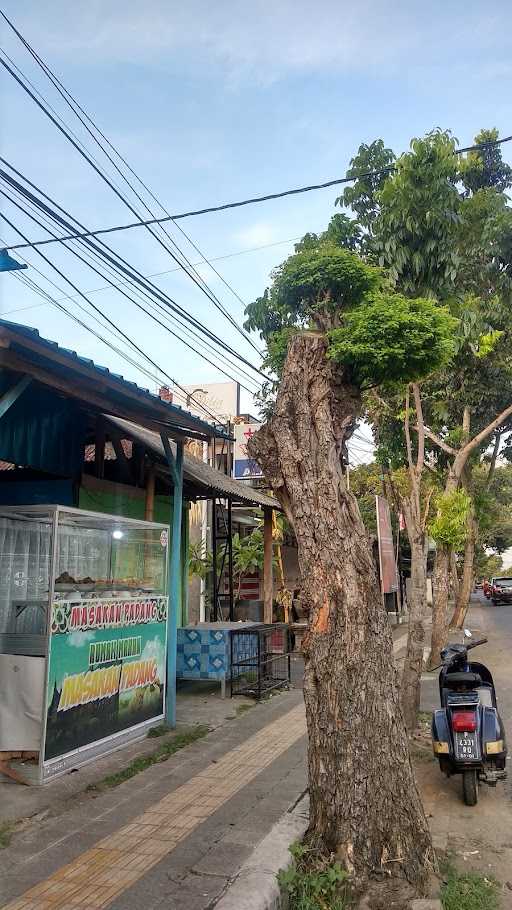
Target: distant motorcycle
{"x":468,"y":736}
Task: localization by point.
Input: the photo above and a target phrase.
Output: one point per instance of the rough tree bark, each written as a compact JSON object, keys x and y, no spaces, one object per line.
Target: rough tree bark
{"x":415,"y":514}
{"x":466,"y":585}
{"x":365,"y":806}
{"x":413,"y":664}
{"x":441,"y":586}
{"x":455,"y":582}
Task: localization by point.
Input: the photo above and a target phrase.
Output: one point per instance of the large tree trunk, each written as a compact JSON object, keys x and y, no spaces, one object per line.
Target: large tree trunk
{"x":365,"y":806}
{"x":466,"y":586}
{"x":413,"y":665}
{"x":440,"y":605}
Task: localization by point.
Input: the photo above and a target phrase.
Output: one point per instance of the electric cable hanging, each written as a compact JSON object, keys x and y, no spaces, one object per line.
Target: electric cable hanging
{"x":94,"y":307}
{"x":119,"y":262}
{"x":199,"y":281}
{"x":155,"y":319}
{"x":149,"y":302}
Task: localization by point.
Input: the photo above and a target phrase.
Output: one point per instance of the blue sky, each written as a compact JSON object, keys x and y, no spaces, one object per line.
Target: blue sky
{"x":215,"y":102}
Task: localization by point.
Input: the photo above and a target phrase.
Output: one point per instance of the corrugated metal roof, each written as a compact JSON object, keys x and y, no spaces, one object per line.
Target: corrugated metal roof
{"x":196,"y":471}
{"x":180,"y":414}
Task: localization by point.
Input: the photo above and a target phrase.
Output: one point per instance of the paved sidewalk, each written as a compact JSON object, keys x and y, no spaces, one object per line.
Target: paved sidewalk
{"x":175,"y":835}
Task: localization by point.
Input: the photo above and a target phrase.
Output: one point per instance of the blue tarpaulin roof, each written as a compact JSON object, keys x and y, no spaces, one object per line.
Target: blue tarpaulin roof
{"x":38,"y":351}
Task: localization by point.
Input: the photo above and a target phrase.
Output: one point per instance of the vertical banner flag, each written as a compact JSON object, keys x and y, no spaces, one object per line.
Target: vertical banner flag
{"x":388,"y":573}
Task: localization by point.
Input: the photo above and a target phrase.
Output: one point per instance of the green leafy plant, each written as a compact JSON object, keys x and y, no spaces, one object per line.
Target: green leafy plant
{"x":313,"y":883}
{"x":450,"y":526}
{"x":248,"y":556}
{"x":470,"y":891}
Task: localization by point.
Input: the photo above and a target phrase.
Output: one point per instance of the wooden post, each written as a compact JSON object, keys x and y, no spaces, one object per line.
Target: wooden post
{"x":150,"y":494}
{"x":174,"y":585}
{"x":267,"y":565}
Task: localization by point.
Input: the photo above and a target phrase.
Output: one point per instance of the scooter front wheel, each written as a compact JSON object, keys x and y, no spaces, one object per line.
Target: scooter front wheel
{"x":470,"y":787}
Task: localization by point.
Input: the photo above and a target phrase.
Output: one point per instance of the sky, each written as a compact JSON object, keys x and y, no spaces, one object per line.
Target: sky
{"x":211,"y":103}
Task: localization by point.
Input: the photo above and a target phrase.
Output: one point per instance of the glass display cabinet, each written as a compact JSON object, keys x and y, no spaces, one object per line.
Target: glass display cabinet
{"x":83,"y":634}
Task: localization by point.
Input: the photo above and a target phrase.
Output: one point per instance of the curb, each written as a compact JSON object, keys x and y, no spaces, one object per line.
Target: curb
{"x":255,"y":886}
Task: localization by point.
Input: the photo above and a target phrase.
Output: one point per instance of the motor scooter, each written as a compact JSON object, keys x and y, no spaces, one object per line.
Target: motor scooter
{"x":468,"y":736}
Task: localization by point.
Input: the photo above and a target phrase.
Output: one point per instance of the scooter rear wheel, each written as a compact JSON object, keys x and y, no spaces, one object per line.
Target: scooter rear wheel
{"x":470,"y":787}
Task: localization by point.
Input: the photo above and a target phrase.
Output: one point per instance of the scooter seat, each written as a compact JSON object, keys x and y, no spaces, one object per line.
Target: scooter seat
{"x":467,"y":680}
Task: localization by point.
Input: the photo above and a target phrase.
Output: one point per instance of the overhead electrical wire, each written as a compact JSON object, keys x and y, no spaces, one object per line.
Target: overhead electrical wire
{"x":118,"y":262}
{"x":200,"y":344}
{"x":231,"y":205}
{"x":73,"y":104}
{"x":110,"y":321}
{"x":106,"y":287}
{"x":43,"y":105}
{"x":81,"y":294}
{"x":25,"y":279}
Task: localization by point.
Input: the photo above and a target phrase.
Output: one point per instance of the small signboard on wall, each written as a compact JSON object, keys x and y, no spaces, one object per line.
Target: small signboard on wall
{"x":244,"y":467}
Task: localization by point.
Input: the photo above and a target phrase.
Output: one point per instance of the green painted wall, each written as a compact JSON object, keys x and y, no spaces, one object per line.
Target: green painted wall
{"x":113,"y":500}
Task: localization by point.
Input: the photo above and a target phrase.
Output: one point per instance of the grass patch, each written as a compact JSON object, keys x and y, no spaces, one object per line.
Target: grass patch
{"x":241,"y":709}
{"x":145,"y":761}
{"x":312,"y":882}
{"x":425,"y":717}
{"x":470,"y":891}
{"x":6,"y":833}
{"x":160,"y":730}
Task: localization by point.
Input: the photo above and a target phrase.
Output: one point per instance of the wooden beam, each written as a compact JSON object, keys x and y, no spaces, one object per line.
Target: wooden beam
{"x":122,"y":461}
{"x":11,"y":395}
{"x":150,"y":494}
{"x":268,"y":586}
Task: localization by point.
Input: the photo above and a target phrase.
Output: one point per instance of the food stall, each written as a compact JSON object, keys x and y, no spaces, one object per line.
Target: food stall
{"x":83,"y":635}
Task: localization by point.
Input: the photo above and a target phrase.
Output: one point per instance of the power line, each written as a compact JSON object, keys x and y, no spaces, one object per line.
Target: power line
{"x":197,"y":279}
{"x":81,"y":294}
{"x":73,"y":103}
{"x":143,"y":296}
{"x":250,"y":201}
{"x":119,"y":263}
{"x":105,"y":287}
{"x":94,"y":307}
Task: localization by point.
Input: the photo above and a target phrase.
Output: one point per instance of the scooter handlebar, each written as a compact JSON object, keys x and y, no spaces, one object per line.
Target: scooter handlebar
{"x":474,"y":644}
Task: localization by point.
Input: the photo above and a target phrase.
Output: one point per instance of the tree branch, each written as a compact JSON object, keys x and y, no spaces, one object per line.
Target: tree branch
{"x":482,"y":436}
{"x":492,"y":465}
{"x":424,"y":520}
{"x":439,"y":442}
{"x":407,"y":428}
{"x":420,"y":429}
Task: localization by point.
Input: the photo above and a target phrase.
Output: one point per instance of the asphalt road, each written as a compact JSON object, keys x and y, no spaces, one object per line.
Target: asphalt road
{"x":479,"y":837}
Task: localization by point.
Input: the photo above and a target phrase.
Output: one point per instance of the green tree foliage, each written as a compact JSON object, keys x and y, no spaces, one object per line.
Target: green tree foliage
{"x":371,"y":167}
{"x":484,"y":168}
{"x":391,"y":339}
{"x":375,"y":335}
{"x":450,"y":526}
{"x":417,"y":225}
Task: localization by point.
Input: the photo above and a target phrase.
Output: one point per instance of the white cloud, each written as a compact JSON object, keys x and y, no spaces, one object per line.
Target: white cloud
{"x":258,"y":235}
{"x":262,"y":40}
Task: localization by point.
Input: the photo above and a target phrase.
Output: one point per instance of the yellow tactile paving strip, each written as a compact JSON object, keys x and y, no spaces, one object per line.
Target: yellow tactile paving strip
{"x":102,"y":873}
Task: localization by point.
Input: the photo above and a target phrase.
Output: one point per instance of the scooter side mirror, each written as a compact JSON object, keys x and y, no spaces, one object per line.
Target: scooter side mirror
{"x":468,"y":633}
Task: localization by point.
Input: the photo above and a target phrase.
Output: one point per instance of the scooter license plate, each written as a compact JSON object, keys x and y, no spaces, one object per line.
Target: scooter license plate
{"x":466,"y":748}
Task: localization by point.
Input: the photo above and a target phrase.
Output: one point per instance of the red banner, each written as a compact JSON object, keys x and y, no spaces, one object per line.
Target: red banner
{"x":388,"y":573}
